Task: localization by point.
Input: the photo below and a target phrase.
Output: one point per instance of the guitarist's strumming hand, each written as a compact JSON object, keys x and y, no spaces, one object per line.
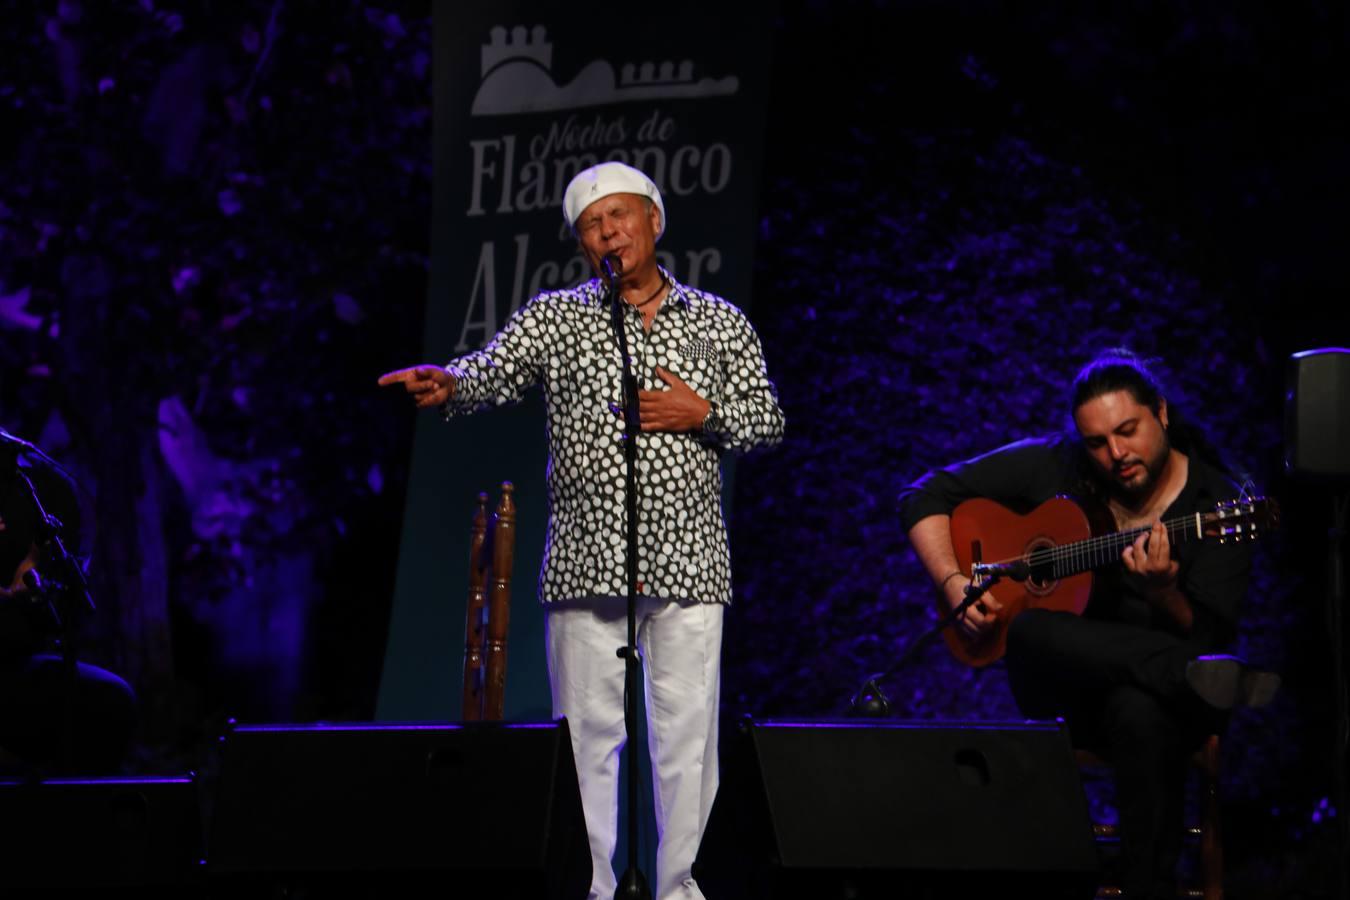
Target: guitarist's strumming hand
{"x":980,"y":617}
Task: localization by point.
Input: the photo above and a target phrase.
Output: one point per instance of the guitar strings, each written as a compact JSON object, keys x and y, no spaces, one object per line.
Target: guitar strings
{"x":1178,"y":530}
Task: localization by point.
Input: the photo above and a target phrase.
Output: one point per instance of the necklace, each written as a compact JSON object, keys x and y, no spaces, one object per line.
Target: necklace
{"x":656,"y":293}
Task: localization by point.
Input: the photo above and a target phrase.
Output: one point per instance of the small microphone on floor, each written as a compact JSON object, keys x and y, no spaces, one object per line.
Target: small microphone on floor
{"x":870,"y":702}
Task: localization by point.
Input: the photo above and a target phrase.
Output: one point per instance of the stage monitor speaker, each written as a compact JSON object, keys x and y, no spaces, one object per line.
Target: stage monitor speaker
{"x":1317,"y":414}
{"x":854,"y":809}
{"x":372,"y":810}
{"x":100,"y":838}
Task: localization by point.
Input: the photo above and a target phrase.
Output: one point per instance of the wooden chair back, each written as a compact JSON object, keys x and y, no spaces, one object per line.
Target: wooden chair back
{"x":1207,"y":832}
{"x":492,"y":547}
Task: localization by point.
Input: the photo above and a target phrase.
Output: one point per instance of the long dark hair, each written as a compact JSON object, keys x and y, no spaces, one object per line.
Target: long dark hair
{"x":1118,"y":369}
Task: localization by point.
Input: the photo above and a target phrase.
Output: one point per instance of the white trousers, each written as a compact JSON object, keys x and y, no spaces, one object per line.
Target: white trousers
{"x":681,"y":648}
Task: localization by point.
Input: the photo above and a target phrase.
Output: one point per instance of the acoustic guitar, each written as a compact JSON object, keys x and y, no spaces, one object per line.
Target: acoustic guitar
{"x":1057,"y":543}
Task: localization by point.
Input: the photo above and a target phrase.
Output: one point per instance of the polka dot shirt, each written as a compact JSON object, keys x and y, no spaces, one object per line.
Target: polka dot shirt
{"x":564,"y":341}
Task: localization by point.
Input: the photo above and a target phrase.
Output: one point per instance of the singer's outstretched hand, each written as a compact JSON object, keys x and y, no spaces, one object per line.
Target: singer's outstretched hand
{"x":678,"y":409}
{"x":429,"y":385}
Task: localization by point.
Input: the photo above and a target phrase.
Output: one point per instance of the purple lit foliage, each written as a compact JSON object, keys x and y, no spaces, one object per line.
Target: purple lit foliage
{"x":215,"y":226}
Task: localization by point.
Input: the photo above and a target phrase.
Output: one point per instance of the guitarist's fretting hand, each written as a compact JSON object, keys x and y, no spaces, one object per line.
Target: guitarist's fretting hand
{"x":1150,"y":556}
{"x":979,"y":618}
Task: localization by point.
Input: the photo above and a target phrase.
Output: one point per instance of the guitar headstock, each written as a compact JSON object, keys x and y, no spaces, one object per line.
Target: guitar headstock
{"x":1241,"y":519}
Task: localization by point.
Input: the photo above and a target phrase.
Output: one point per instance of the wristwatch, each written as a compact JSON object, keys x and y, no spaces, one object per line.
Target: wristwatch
{"x":712,"y":422}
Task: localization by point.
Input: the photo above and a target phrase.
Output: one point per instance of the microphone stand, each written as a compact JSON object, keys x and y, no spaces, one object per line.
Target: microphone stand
{"x":633,"y":885}
{"x":71,"y":584}
{"x":870,"y":702}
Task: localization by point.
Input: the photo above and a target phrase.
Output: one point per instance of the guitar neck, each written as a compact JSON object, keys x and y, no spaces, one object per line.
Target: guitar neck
{"x":1096,"y":552}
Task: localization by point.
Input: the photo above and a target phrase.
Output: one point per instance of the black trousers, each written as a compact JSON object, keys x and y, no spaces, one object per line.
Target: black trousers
{"x":1122,"y":690}
{"x":37,"y":694}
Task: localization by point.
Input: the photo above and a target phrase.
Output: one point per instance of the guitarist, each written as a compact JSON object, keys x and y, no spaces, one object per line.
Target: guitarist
{"x":1135,"y":676}
{"x":38,"y":689}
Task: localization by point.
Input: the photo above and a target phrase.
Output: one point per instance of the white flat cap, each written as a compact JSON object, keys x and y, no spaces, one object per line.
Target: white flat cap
{"x":604,"y":179}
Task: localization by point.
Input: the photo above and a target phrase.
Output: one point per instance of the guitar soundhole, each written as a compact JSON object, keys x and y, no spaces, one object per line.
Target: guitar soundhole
{"x":1042,"y":580}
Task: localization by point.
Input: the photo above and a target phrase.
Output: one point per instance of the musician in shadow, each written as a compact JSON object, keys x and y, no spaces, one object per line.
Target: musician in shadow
{"x":1139,"y":677}
{"x":57,"y":714}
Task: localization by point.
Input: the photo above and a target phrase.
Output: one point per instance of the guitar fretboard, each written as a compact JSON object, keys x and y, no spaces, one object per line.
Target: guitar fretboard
{"x":1081,"y":556}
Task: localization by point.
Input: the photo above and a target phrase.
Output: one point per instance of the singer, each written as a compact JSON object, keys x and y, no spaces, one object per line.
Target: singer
{"x":1128,"y":675}
{"x":704,"y":390}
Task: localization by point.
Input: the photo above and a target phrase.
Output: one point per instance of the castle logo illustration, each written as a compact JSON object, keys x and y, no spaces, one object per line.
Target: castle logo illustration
{"x":517,"y":78}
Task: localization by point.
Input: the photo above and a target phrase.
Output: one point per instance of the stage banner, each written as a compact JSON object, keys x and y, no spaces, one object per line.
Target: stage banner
{"x":528,"y":94}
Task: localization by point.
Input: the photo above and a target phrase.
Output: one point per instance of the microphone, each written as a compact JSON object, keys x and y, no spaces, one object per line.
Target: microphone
{"x":870,"y":702}
{"x":1017,"y":570}
{"x":612,"y":267}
